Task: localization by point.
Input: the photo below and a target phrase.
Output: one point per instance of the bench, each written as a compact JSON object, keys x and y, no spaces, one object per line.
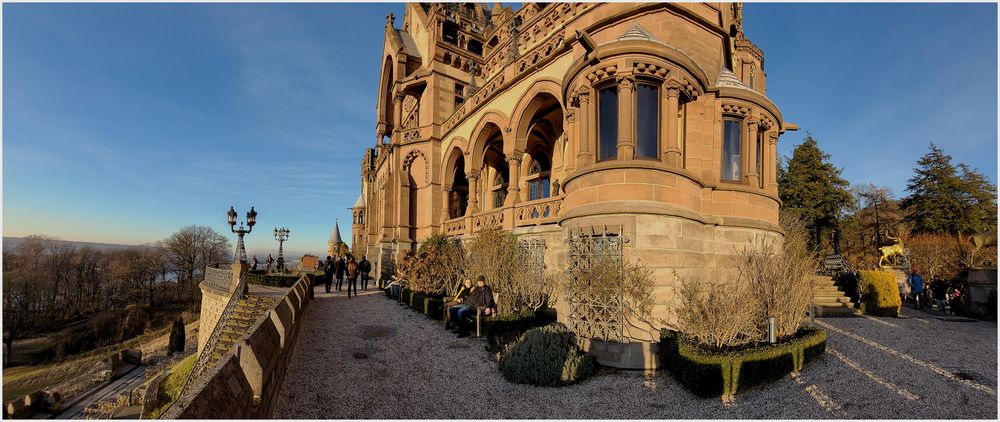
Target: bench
{"x":480,"y":315}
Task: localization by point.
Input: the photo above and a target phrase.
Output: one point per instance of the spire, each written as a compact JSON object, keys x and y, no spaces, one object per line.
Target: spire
{"x":335,"y":236}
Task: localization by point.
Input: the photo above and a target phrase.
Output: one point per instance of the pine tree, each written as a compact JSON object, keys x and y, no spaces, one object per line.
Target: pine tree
{"x":942,"y":201}
{"x":812,"y":187}
{"x":176,"y":341}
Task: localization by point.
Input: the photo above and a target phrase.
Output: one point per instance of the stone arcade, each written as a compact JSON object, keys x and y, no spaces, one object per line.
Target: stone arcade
{"x":646,"y":124}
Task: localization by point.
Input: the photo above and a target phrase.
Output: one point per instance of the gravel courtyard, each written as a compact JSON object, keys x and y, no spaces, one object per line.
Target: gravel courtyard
{"x":368,"y":357}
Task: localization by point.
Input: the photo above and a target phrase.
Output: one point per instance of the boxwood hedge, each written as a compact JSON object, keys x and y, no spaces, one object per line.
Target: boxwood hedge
{"x":879,"y":293}
{"x":712,"y":374}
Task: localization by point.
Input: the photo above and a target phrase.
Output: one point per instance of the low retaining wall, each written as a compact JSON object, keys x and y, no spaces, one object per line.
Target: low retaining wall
{"x":244,"y":384}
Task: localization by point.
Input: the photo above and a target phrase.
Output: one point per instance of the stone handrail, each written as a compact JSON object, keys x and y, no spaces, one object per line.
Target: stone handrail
{"x":455,"y":226}
{"x":542,"y":211}
{"x":492,"y":218}
{"x":213,"y":340}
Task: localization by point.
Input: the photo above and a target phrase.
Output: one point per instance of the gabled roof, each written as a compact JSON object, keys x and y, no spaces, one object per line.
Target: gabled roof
{"x":409,"y":46}
{"x":360,"y":203}
{"x":636,"y":32}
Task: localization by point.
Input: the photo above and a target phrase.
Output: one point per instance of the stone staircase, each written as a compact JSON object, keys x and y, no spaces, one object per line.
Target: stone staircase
{"x":830,"y":300}
{"x":246,"y":314}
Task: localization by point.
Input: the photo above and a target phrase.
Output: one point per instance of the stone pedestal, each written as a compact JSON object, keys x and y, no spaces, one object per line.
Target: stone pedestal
{"x":900,"y":273}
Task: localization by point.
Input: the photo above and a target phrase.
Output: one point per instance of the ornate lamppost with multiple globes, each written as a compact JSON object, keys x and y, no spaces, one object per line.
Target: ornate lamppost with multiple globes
{"x":241,"y":253}
{"x":281,"y":235}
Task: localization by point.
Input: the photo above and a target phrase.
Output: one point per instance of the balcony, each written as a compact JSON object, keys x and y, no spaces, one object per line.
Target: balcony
{"x":524,"y":214}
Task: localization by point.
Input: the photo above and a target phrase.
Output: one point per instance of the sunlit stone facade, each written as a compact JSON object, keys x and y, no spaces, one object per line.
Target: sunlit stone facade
{"x":646,"y":120}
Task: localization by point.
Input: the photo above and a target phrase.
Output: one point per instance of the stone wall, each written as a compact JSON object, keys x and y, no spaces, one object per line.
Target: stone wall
{"x":244,"y":384}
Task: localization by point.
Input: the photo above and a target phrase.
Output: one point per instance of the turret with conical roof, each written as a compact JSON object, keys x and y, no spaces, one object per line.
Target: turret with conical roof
{"x":333,"y":245}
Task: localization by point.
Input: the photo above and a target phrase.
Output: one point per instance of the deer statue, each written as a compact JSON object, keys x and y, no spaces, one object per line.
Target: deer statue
{"x":895,"y":251}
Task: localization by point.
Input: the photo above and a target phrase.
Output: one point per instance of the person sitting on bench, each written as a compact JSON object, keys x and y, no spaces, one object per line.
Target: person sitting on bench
{"x":481,"y":297}
{"x":457,"y":303}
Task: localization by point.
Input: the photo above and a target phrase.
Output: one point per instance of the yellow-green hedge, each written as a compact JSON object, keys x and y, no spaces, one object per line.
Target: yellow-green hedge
{"x":712,"y":374}
{"x":879,"y":293}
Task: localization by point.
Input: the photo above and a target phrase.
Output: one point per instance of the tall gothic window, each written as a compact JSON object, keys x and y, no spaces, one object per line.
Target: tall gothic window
{"x":499,"y":190}
{"x":647,"y":123}
{"x":538,"y":180}
{"x":760,"y":159}
{"x":607,"y":124}
{"x":731,"y":150}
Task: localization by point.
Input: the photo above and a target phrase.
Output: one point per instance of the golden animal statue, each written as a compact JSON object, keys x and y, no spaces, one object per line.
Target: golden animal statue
{"x":895,"y":251}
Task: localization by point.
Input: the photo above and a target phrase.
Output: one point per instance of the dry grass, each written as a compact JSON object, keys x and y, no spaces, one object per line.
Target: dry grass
{"x":170,"y":387}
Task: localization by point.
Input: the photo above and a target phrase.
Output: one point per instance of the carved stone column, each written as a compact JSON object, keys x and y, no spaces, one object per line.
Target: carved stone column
{"x":585,"y":137}
{"x":473,"y":206}
{"x":446,"y":203}
{"x":626,"y":97}
{"x":751,"y":172}
{"x":397,"y":114}
{"x":668,"y":124}
{"x":570,"y":128}
{"x":772,"y":163}
{"x":514,"y":173}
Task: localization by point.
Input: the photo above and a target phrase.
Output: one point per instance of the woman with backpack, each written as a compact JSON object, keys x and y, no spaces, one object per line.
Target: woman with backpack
{"x":352,"y":275}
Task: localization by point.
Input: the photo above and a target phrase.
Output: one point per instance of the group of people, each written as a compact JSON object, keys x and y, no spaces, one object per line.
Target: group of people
{"x":938,"y":291}
{"x":465,"y":302}
{"x":346,"y":268}
{"x":269,"y":261}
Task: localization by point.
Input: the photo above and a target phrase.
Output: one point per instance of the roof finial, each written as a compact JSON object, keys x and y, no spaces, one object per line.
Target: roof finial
{"x":390,"y":20}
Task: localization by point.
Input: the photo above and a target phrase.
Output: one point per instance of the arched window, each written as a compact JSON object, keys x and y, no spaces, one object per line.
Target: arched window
{"x":499,"y":190}
{"x":538,"y":179}
{"x":647,"y":124}
{"x":732,"y":129}
{"x":607,"y":123}
{"x":760,"y":159}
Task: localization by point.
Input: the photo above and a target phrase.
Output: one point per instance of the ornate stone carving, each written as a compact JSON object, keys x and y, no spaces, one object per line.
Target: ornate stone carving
{"x":651,"y":70}
{"x":735,"y":109}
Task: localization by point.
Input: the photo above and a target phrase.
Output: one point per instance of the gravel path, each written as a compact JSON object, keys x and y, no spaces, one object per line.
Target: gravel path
{"x":368,"y":357}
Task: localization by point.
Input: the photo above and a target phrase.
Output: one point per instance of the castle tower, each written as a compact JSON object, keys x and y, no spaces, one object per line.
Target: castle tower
{"x":333,"y":245}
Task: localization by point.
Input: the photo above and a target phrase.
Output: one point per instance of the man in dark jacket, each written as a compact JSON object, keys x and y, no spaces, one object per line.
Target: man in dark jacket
{"x":341,"y":269}
{"x":940,"y":290}
{"x":364,"y":267}
{"x":481,"y":297}
{"x":328,"y":268}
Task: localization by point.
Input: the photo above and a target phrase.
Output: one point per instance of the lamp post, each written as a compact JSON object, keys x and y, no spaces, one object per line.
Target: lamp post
{"x":241,"y":253}
{"x":281,"y":235}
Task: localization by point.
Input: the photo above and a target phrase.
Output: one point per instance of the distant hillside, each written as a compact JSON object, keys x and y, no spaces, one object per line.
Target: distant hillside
{"x":10,"y":242}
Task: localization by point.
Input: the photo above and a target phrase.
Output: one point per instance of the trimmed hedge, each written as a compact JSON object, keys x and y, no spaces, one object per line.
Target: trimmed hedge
{"x":427,"y":305}
{"x":879,"y":293}
{"x":547,"y":356}
{"x":502,"y":330}
{"x":712,"y":374}
{"x":276,"y":280}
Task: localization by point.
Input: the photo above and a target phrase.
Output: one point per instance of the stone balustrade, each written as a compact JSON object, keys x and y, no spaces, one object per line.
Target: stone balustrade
{"x":218,"y":277}
{"x":532,"y":213}
{"x":543,"y":211}
{"x":245,"y":382}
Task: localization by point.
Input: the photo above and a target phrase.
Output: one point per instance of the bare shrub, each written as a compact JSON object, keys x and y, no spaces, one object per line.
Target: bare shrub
{"x":767,"y":281}
{"x":718,"y":315}
{"x":605,"y":279}
{"x":497,"y":255}
{"x":936,"y":255}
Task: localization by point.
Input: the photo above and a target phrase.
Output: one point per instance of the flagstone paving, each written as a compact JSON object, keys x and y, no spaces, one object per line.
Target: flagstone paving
{"x":369,"y":357}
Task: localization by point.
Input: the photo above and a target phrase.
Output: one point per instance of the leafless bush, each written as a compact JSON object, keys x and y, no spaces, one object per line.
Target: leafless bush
{"x":497,"y":255}
{"x":718,"y":314}
{"x":768,"y":281}
{"x":603,"y":279}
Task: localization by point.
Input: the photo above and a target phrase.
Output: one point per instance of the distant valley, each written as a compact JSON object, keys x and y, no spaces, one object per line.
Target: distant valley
{"x":10,"y":242}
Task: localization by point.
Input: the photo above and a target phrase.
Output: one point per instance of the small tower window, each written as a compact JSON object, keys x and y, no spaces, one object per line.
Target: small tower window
{"x":731,"y":150}
{"x":476,"y":47}
{"x":753,"y":74}
{"x":459,"y":94}
{"x":450,"y":33}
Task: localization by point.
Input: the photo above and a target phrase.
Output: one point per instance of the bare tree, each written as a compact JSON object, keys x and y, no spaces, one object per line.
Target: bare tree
{"x":191,"y":249}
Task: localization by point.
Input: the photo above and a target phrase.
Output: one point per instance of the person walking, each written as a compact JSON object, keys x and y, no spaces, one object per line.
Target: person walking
{"x":270,"y":262}
{"x":253,"y":266}
{"x":352,"y":276}
{"x":916,"y":284}
{"x":940,"y":290}
{"x":339,"y":272}
{"x":328,"y":268}
{"x":364,"y":267}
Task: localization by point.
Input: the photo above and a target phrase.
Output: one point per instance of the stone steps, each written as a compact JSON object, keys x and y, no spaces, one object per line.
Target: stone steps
{"x":830,"y":299}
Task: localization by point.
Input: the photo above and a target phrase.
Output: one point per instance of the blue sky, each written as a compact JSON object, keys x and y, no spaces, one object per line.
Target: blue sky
{"x":123,"y":123}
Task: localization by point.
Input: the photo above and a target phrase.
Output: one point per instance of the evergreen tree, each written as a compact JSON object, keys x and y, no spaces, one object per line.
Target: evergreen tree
{"x":942,"y":201}
{"x":176,"y":341}
{"x":812,"y":187}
